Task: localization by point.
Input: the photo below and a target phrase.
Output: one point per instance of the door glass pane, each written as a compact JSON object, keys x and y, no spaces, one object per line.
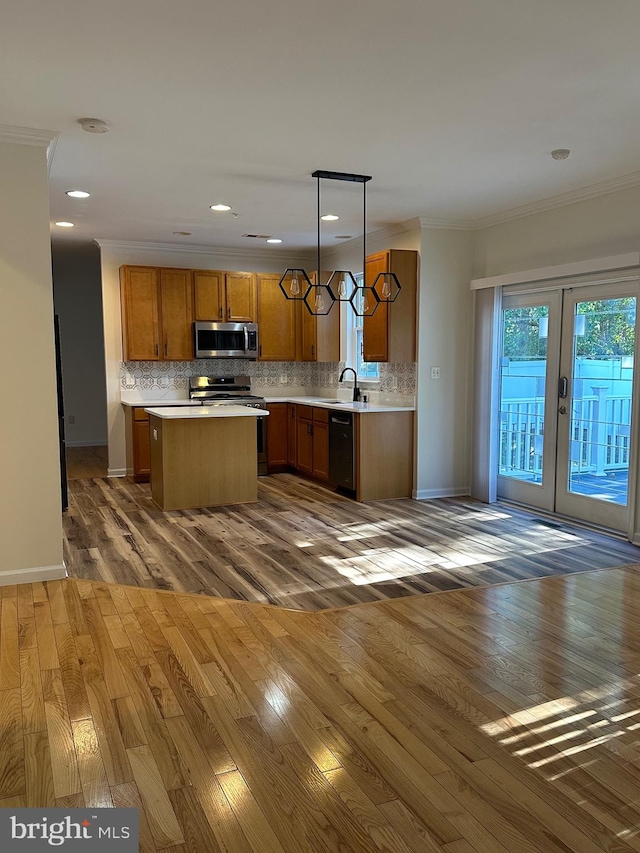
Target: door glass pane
{"x":603,"y":350}
{"x":523,"y":369}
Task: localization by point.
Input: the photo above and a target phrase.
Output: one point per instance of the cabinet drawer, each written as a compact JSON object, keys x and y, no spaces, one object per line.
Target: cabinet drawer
{"x":305,"y":413}
{"x":321,"y":416}
{"x":140,"y":415}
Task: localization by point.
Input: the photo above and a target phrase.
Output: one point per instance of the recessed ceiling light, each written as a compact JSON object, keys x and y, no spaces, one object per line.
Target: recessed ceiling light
{"x":183,"y":233}
{"x":274,"y":240}
{"x":329,"y":217}
{"x":78,"y":194}
{"x":220,"y":207}
{"x":65,"y":224}
{"x":560,"y":153}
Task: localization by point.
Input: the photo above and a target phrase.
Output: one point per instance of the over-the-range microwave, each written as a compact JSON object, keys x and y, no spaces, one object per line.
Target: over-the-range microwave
{"x":225,"y":340}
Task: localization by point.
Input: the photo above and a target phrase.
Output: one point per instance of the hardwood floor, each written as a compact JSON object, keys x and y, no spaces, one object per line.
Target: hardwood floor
{"x":495,"y":720}
{"x":84,"y":462}
{"x":303,"y":546}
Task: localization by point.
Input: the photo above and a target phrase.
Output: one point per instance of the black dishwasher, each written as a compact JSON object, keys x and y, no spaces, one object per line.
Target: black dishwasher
{"x":341,"y":453}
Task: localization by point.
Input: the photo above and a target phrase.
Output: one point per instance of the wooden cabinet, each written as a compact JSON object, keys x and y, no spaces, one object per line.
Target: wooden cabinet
{"x":292,"y":454}
{"x":157,"y":314}
{"x":320,"y":430}
{"x":276,"y":321}
{"x":277,"y":437}
{"x":176,"y":313}
{"x":224,"y":296}
{"x":312,"y":439}
{"x":317,"y":335}
{"x":304,"y":439}
{"x":390,"y":333}
{"x":139,"y":288}
{"x":141,"y":449}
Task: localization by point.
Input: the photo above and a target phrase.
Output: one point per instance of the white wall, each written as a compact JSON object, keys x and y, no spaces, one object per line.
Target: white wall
{"x":445,"y":311}
{"x":30,"y":510}
{"x":597,"y":228}
{"x":77,"y":294}
{"x":113,"y":256}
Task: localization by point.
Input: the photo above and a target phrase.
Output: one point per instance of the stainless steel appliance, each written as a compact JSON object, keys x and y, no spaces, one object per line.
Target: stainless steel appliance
{"x":341,"y":451}
{"x":231,"y":391}
{"x":225,"y":340}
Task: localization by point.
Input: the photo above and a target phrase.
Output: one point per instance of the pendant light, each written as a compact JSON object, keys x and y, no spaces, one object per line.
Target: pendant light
{"x":342,"y":286}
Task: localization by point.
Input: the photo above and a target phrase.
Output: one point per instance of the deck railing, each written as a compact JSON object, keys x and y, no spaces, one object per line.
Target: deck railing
{"x":600,"y":431}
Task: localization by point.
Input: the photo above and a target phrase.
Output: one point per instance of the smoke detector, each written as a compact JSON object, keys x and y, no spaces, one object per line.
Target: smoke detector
{"x":560,"y":153}
{"x":94,"y":125}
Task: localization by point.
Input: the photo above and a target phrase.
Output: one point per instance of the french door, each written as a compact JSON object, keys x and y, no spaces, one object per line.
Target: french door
{"x":566,"y":401}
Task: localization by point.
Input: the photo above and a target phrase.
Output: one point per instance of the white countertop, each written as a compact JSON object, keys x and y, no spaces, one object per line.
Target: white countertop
{"x":207,"y":412}
{"x":157,"y":402}
{"x":340,"y":405}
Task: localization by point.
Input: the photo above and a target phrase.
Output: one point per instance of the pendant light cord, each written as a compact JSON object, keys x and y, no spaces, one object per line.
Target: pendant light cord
{"x":318,"y":271}
{"x":364,"y":233}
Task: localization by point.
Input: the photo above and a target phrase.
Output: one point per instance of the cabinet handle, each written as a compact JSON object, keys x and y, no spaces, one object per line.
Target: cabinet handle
{"x":260,"y":350}
{"x":156,"y":349}
{"x":229,"y":312}
{"x":165,"y":349}
{"x":221,"y":312}
{"x":313,"y":351}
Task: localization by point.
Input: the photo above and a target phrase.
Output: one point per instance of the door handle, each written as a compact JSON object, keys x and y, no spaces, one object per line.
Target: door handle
{"x":562,"y":410}
{"x":563,"y":387}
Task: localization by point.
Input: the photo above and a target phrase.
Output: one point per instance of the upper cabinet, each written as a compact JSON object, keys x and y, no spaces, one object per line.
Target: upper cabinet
{"x":318,"y":335}
{"x":389,"y":334}
{"x":276,"y":321}
{"x":226,"y":296}
{"x":157,"y":314}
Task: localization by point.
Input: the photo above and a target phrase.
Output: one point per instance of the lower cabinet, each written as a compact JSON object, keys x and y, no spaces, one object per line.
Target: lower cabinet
{"x":141,"y":446}
{"x":298,"y":440}
{"x":277,"y":437}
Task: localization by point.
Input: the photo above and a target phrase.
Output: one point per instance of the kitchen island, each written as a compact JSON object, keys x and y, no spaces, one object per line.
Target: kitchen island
{"x":203,"y":456}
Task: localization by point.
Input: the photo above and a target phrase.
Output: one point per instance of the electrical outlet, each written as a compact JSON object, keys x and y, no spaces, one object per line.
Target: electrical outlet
{"x":393,"y":383}
{"x":283,"y":378}
{"x":435,"y":373}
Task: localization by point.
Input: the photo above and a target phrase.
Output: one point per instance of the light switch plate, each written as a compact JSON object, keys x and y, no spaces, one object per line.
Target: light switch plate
{"x":435,"y":373}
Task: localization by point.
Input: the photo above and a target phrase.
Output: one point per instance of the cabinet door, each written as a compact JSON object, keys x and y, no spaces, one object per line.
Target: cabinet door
{"x":376,"y":327}
{"x":304,"y":436}
{"x":140,"y":321}
{"x":177,"y":315}
{"x":320,"y":450}
{"x":276,"y":321}
{"x":141,"y":449}
{"x":240,"y":297}
{"x":277,"y":438}
{"x":292,"y":457}
{"x":208,"y":292}
{"x":308,"y":329}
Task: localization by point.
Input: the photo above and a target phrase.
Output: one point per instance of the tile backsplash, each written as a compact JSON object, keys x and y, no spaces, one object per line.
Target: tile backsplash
{"x":269,"y":378}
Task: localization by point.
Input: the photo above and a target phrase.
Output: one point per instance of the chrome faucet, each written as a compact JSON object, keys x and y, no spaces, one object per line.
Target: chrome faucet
{"x":356,"y":390}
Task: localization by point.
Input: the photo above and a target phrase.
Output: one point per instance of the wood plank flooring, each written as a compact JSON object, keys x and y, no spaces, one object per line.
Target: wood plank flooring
{"x":304,"y":546}
{"x":86,"y":462}
{"x":495,"y":720}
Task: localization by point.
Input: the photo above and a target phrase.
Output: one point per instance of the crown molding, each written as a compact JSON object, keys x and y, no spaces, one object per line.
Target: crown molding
{"x":613,"y":185}
{"x":31,"y":136}
{"x":381,"y":236}
{"x":198,"y":249}
{"x":450,"y":224}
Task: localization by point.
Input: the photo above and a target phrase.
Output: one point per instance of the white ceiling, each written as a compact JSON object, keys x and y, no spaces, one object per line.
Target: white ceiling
{"x":453,"y":106}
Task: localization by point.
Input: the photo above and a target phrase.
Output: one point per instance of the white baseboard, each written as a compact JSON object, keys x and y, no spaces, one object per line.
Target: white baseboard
{"x":96,"y":443}
{"x":430,"y":494}
{"x":38,"y":573}
{"x":116,"y":472}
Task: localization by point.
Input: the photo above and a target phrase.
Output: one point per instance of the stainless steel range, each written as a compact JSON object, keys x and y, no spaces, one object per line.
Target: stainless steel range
{"x":231,"y":391}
